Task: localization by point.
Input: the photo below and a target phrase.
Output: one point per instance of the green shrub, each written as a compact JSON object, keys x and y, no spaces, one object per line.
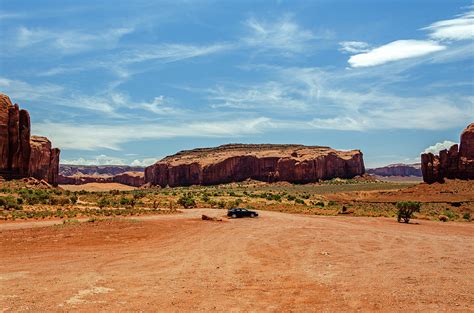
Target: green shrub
{"x":467,"y":216}
{"x":9,"y":203}
{"x":299,"y":201}
{"x":103,"y":202}
{"x":406,"y":210}
{"x":73,"y":199}
{"x":205,"y":197}
{"x":187,"y":201}
{"x":59,"y":200}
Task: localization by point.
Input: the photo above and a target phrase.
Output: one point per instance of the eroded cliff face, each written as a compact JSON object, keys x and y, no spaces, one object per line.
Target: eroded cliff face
{"x":23,"y":155}
{"x":457,"y":162}
{"x":269,"y":163}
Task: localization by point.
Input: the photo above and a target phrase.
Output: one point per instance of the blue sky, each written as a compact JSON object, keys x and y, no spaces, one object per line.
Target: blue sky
{"x":129,"y":82}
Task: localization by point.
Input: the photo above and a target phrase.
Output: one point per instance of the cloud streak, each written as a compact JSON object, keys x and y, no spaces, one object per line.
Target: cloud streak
{"x":459,"y":28}
{"x":395,"y":51}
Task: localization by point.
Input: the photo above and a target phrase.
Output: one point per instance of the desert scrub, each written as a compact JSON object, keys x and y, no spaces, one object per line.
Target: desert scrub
{"x":10,"y":203}
{"x":406,"y":210}
{"x":187,"y":201}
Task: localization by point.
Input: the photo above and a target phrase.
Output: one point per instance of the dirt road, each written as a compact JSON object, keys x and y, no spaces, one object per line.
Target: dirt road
{"x":277,"y":262}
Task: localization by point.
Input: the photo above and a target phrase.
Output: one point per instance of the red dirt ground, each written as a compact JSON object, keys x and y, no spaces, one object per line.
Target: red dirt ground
{"x":277,"y":262}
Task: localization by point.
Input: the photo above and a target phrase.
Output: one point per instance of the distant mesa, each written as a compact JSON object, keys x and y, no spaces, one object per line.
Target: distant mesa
{"x":23,"y":155}
{"x":457,"y":162}
{"x":399,"y":170}
{"x":263,"y":162}
{"x":84,"y":174}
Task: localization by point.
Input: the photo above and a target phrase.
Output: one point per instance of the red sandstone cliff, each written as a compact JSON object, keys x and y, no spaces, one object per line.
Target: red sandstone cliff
{"x":270,"y":163}
{"x":23,"y":155}
{"x":457,"y":162}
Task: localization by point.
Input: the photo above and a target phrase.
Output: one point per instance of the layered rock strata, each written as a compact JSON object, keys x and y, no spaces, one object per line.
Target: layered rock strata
{"x":269,"y":163}
{"x":23,"y":155}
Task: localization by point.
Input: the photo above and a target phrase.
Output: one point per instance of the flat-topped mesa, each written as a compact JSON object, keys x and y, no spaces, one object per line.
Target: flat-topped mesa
{"x":457,"y":162}
{"x":402,"y":170}
{"x":264,"y":162}
{"x":23,"y":155}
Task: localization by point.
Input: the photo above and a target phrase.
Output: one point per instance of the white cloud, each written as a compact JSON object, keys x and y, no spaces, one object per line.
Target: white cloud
{"x":98,"y":160}
{"x":437,"y":147}
{"x":283,"y":35}
{"x":90,"y":137}
{"x":144,"y":162}
{"x":353,"y":47}
{"x":395,"y":51}
{"x":459,"y":28}
{"x":109,"y":160}
{"x":69,"y":41}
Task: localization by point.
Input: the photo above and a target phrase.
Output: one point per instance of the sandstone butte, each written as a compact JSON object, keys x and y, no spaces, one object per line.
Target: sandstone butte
{"x":23,"y":155}
{"x":265,"y":162}
{"x":135,"y":179}
{"x":457,"y":162}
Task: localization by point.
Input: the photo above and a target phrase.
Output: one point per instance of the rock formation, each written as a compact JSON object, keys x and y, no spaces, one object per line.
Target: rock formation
{"x":457,"y":162}
{"x":83,"y":174}
{"x":93,"y":170}
{"x":397,"y":170}
{"x":269,"y":163}
{"x":135,"y":179}
{"x":23,"y":155}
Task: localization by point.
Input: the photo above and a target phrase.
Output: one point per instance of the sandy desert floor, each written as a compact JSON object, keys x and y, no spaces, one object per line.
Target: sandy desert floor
{"x":277,"y":262}
{"x":97,"y":187}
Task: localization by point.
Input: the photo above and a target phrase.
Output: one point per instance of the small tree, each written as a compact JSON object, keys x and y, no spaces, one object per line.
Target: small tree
{"x":406,"y":210}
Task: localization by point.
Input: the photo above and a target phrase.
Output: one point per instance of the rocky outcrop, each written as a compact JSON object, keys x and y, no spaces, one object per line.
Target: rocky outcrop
{"x":94,"y":170}
{"x":403,"y":170}
{"x":269,"y":163}
{"x":457,"y":162}
{"x":135,"y":179}
{"x":23,"y":155}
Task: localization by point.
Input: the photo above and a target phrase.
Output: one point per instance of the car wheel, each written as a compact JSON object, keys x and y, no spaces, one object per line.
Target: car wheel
{"x":252,"y":215}
{"x":234,"y":216}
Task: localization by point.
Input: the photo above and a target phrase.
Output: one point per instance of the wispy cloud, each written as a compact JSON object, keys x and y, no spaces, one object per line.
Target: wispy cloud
{"x":112,"y":136}
{"x":308,"y":98}
{"x":68,"y":41}
{"x":459,"y":28}
{"x":284,"y":36}
{"x":11,"y":15}
{"x":354,"y":47}
{"x":267,"y":95}
{"x":20,"y":90}
{"x":395,"y":51}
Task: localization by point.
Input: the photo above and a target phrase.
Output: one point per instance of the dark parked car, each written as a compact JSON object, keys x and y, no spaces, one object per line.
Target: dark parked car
{"x":238,"y":212}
